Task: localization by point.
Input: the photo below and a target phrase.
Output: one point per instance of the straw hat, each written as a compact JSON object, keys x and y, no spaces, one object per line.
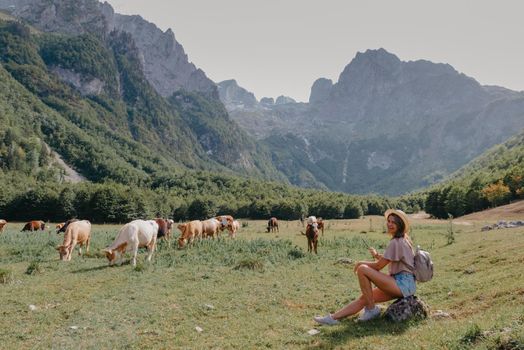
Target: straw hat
{"x":401,"y":215}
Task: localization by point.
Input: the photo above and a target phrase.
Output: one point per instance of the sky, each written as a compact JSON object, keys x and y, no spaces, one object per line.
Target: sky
{"x":280,"y":47}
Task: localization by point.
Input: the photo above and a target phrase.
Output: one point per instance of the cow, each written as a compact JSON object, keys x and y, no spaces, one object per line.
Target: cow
{"x":63,"y":228}
{"x":190,"y":231}
{"x":272,"y":225}
{"x":135,"y":234}
{"x":210,"y":228}
{"x":164,"y":228}
{"x":78,"y":232}
{"x":236,"y":227}
{"x":34,"y":225}
{"x":2,"y":224}
{"x":311,"y":234}
{"x":321,"y":224}
{"x":226,"y":221}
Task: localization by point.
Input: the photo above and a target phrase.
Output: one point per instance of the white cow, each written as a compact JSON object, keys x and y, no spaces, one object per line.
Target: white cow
{"x":137,"y":233}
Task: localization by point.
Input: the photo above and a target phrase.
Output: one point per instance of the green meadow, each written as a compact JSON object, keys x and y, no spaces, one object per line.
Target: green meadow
{"x":260,"y":290}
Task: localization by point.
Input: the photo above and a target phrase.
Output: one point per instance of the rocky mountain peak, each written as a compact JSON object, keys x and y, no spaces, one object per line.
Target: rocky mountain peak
{"x":320,"y":90}
{"x":233,"y":96}
{"x":282,"y":100}
{"x":164,"y":62}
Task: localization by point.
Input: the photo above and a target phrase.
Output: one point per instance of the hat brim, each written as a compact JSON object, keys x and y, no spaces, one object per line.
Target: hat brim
{"x":402,"y":217}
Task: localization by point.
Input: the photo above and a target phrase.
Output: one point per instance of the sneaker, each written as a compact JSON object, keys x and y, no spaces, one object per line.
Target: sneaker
{"x":370,"y":314}
{"x":328,"y":320}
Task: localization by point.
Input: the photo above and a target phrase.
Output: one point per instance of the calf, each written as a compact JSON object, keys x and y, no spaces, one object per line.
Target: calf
{"x":34,"y":225}
{"x":190,"y":231}
{"x":135,"y":234}
{"x":164,"y":228}
{"x":226,"y":221}
{"x":312,"y":237}
{"x":2,"y":224}
{"x":78,"y":232}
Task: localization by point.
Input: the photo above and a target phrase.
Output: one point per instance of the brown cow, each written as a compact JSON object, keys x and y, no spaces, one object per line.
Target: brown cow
{"x":78,"y":232}
{"x":164,"y":228}
{"x":34,"y":225}
{"x":272,"y":225}
{"x":189,"y":231}
{"x":321,"y":224}
{"x":311,"y":234}
{"x":2,"y":224}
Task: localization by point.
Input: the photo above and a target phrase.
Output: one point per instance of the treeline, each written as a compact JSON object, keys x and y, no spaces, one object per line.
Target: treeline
{"x":191,"y":195}
{"x":496,"y":178}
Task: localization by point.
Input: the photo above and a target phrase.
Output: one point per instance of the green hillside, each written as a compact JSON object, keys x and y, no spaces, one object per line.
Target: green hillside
{"x":126,"y":118}
{"x":492,"y":179}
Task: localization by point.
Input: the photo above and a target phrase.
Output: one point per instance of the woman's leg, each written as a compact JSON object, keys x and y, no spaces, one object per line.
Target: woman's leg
{"x":387,"y":289}
{"x":384,"y":282}
{"x":358,"y":304}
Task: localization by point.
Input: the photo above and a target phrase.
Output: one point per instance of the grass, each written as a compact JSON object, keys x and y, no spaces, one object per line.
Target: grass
{"x":258,"y":291}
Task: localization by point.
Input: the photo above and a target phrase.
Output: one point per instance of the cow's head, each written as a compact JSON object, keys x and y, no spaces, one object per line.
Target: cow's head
{"x":42,"y":226}
{"x":181,"y":242}
{"x":62,"y":251}
{"x":111,"y":255}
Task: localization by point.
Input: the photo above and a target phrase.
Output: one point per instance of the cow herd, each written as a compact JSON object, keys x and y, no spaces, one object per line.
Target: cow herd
{"x":133,"y":235}
{"x":145,"y":233}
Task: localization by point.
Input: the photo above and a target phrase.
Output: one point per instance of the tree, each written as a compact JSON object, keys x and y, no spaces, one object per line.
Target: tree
{"x":497,"y":193}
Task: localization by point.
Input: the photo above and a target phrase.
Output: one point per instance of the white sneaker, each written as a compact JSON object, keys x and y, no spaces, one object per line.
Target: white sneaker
{"x":370,"y":314}
{"x":327,"y":320}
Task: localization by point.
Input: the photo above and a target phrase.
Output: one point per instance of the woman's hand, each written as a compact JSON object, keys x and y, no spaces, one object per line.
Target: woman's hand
{"x":373,"y":252}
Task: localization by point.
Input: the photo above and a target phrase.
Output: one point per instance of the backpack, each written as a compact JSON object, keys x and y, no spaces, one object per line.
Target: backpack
{"x":423,"y":266}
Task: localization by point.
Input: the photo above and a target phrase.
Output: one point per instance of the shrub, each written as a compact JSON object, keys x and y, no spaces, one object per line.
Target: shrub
{"x":34,"y":268}
{"x":6,"y":276}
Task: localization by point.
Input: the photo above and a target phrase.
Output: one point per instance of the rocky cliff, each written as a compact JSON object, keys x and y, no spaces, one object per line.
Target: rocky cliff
{"x":164,"y":61}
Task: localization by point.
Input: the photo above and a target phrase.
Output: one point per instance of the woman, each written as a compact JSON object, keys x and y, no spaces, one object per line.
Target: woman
{"x":399,"y":283}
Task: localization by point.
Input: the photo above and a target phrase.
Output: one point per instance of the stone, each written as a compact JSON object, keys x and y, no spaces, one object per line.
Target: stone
{"x":406,"y":308}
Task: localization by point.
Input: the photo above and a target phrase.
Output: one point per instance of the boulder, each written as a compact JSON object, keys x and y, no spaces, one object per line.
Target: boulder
{"x":406,"y":308}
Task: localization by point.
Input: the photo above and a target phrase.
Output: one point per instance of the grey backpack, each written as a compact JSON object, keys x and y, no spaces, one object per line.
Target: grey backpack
{"x":423,"y":266}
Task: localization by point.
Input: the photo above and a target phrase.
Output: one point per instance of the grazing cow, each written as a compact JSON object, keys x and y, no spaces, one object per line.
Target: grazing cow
{"x":59,"y":226}
{"x":272,"y":225}
{"x":311,"y":234}
{"x":34,"y":225}
{"x":78,"y":232}
{"x":64,"y":225}
{"x":189,"y":231}
{"x":210,"y":228}
{"x":135,"y":234}
{"x":2,"y":224}
{"x":236,"y":227}
{"x":164,"y":228}
{"x":321,"y":224}
{"x":226,"y":221}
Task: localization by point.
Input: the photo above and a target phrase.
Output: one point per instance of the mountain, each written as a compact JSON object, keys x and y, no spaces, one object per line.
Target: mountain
{"x":122,"y":76}
{"x":385,"y":126}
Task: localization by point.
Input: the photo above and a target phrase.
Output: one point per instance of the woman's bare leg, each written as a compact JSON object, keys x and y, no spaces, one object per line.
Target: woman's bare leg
{"x":387,"y":289}
{"x":384,"y":282}
{"x":358,"y":304}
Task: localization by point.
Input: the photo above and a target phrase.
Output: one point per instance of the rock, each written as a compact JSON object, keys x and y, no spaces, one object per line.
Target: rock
{"x":313,"y":331}
{"x":209,"y":306}
{"x":74,"y":327}
{"x":198,"y":329}
{"x":406,"y":308}
{"x":32,"y":307}
{"x":440,"y":314}
{"x":346,"y":261}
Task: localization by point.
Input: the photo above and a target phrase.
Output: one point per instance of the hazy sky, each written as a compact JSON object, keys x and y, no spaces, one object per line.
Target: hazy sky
{"x":280,"y":47}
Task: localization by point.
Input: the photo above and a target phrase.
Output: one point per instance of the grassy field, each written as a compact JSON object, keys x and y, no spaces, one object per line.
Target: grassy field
{"x":258,"y":291}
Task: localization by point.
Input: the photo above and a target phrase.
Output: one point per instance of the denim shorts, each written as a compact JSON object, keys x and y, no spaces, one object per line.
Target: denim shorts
{"x":406,"y":283}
